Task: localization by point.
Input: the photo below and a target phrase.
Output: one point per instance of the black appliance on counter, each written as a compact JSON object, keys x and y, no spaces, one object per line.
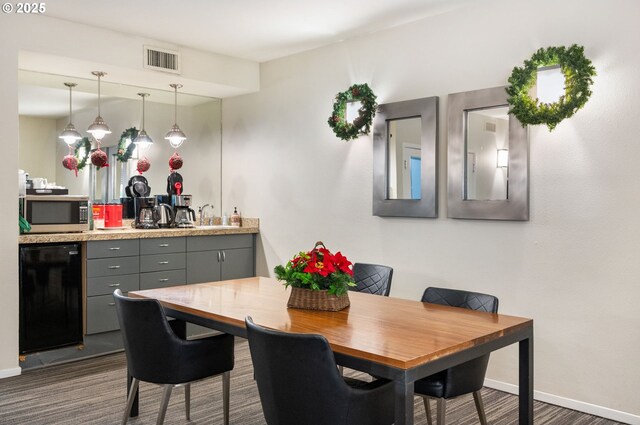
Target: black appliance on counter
{"x":146,"y":213}
{"x":50,"y":296}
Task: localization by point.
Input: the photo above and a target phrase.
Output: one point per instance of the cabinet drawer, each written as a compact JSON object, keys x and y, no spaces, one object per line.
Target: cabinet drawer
{"x":112,"y":266}
{"x":162,"y":279}
{"x":101,"y":314}
{"x":106,"y":285}
{"x":158,"y":262}
{"x":115,"y":248}
{"x":207,"y":243}
{"x":162,"y":245}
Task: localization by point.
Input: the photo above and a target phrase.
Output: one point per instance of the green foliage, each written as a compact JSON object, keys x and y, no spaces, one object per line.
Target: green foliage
{"x":362,"y":124}
{"x":124,"y":152}
{"x":578,"y":72}
{"x":86,"y":144}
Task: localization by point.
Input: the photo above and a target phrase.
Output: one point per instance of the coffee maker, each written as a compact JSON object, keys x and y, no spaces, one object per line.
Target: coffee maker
{"x":146,"y":213}
{"x":183,"y":215}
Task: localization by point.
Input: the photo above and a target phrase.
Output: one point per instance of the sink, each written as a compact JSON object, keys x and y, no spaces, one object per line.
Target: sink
{"x":215,"y":226}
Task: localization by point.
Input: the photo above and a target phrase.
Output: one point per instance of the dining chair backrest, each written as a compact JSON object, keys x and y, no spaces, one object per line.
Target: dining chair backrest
{"x":459,"y":298}
{"x":467,"y":377}
{"x":372,"y":278}
{"x":297,"y":378}
{"x":150,"y":344}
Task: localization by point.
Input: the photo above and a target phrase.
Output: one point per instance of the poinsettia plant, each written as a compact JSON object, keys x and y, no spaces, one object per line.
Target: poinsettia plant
{"x":318,"y":270}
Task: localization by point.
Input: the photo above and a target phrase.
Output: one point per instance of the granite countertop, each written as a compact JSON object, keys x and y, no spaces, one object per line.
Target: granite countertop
{"x":249,"y":225}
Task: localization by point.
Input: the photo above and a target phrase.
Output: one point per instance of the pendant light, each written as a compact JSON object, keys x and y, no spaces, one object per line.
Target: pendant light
{"x":70,"y":135}
{"x":143,"y":140}
{"x":175,"y":136}
{"x":98,"y":129}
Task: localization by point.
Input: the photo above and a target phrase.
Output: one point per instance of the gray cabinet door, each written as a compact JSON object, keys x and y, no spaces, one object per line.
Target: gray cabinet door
{"x":162,"y":279}
{"x":159,"y":262}
{"x":203,"y":266}
{"x":106,"y":285}
{"x":237,"y":263}
{"x":113,"y":266}
{"x":113,"y":248}
{"x":162,"y":245}
{"x":101,"y":314}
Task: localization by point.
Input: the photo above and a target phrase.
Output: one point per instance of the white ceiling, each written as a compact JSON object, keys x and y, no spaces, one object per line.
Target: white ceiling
{"x":258,"y":30}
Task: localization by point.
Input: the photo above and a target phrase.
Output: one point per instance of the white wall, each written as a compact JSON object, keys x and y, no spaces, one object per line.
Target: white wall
{"x":76,"y":49}
{"x":573,"y":267}
{"x":38,"y":139}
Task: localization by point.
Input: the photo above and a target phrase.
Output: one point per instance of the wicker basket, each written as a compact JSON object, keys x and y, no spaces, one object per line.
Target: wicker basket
{"x":317,"y":300}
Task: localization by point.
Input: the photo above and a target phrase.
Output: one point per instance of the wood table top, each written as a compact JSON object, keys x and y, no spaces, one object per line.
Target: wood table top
{"x":392,"y":331}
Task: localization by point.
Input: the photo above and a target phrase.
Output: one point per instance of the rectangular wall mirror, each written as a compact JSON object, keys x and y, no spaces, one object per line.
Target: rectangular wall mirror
{"x":488,"y":158}
{"x":405,"y":159}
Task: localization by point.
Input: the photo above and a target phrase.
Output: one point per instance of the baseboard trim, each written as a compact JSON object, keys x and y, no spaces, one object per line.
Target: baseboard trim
{"x":6,"y":373}
{"x":580,"y":406}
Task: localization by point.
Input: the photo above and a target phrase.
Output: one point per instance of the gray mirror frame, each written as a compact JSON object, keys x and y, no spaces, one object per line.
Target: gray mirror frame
{"x":516,"y":207}
{"x":427,"y":206}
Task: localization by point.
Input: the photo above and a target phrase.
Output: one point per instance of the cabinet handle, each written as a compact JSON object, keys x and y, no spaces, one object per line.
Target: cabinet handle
{"x":114,"y":267}
{"x":224,"y":256}
{"x":163,"y":262}
{"x":163,"y":280}
{"x":111,"y":304}
{"x":114,"y":285}
{"x":163,"y":245}
{"x":114,"y":248}
{"x":218,"y":256}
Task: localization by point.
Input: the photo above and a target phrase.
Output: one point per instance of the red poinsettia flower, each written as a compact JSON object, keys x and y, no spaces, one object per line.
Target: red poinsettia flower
{"x":320,"y":264}
{"x":342,"y":263}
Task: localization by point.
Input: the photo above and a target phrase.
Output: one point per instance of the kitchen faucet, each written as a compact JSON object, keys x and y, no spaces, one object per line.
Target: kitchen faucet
{"x":201,"y":210}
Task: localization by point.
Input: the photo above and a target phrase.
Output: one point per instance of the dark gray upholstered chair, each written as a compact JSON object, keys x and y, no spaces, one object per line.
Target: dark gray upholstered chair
{"x":467,"y":377}
{"x":299,"y":383}
{"x":155,"y":354}
{"x":372,"y":278}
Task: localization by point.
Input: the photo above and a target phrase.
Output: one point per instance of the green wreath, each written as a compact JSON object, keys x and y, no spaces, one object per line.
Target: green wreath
{"x":577,"y":70}
{"x":362,"y":124}
{"x":124,"y":152}
{"x":86,"y":144}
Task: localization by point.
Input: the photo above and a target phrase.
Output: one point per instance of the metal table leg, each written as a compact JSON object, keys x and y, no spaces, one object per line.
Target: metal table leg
{"x":526,"y":381}
{"x":403,"y":401}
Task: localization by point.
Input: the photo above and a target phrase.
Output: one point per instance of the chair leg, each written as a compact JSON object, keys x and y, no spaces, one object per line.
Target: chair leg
{"x":427,"y":410}
{"x":226,"y":383}
{"x":477,"y":397}
{"x":187,"y":400}
{"x":442,"y":410}
{"x":166,"y":394}
{"x":132,"y":395}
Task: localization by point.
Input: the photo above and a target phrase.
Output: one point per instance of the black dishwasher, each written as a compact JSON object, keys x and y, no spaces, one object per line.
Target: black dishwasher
{"x":50,"y":296}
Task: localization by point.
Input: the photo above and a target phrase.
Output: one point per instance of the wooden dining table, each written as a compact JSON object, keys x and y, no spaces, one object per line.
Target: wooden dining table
{"x":388,"y":337}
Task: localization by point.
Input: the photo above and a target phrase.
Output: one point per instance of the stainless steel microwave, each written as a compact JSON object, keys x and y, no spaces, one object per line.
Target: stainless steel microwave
{"x":56,"y":213}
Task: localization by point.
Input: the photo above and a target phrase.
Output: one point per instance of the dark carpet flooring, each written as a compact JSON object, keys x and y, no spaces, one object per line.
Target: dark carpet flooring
{"x":93,"y":392}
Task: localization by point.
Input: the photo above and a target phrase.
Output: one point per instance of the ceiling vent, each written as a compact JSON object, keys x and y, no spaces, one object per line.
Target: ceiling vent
{"x":162,"y":59}
{"x":489,"y":126}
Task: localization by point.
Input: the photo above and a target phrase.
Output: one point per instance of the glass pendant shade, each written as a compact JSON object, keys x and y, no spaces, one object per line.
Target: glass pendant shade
{"x":175,"y":136}
{"x":98,"y":129}
{"x":143,"y":140}
{"x":70,"y":135}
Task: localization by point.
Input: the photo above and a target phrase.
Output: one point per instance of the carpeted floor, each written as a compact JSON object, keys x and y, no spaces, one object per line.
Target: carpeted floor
{"x":93,"y":392}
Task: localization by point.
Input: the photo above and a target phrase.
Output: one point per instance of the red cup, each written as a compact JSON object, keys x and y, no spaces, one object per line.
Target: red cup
{"x":113,"y":215}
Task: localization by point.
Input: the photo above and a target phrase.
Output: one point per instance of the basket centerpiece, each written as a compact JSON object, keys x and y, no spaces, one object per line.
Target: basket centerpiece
{"x":319,"y":280}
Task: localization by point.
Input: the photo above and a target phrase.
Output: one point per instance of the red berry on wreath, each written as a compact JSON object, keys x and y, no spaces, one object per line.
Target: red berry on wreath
{"x":99,"y":158}
{"x":355,"y":91}
{"x":70,"y":162}
{"x":143,"y":165}
{"x":175,"y":162}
